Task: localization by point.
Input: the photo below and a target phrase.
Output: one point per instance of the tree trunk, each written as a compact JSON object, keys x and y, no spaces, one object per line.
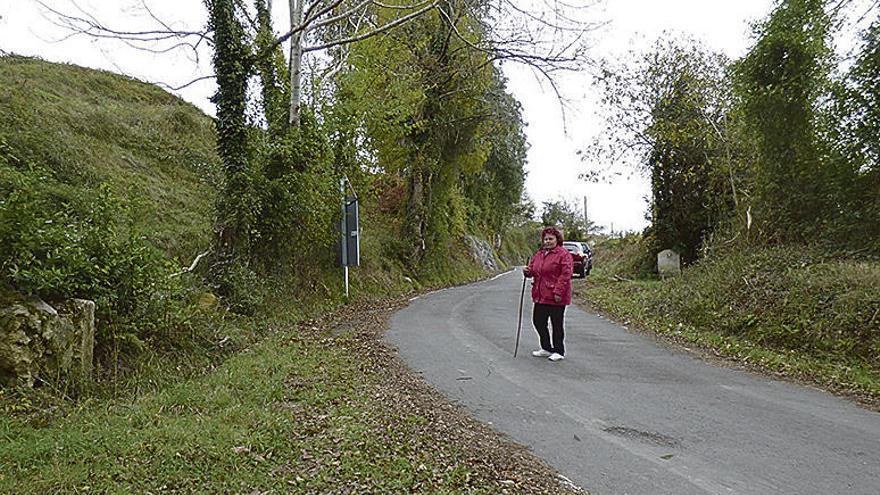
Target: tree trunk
{"x":296,"y":14}
{"x":417,"y":210}
{"x":234,"y":204}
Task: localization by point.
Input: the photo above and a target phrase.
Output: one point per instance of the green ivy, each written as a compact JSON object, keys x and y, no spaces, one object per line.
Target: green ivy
{"x":237,"y":206}
{"x":780,"y":84}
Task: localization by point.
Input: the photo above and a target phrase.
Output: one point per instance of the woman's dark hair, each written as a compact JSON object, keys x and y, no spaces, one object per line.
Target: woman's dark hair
{"x":555,"y":232}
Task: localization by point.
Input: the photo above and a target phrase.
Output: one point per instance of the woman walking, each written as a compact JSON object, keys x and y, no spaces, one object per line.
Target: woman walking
{"x":551,"y":267}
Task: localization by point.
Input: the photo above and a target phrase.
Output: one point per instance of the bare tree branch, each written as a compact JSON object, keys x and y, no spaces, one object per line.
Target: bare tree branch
{"x":307,"y":15}
{"x":575,"y":25}
{"x":164,"y":38}
{"x":398,"y":7}
{"x":337,"y":18}
{"x":541,"y":64}
{"x":86,"y":24}
{"x":184,"y":85}
{"x":311,"y":8}
{"x":374,"y":32}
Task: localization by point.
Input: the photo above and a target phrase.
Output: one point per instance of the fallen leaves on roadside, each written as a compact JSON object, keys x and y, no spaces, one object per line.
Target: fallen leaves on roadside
{"x":393,"y":417}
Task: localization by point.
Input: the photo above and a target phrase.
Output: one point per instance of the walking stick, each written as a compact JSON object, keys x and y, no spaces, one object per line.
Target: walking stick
{"x":519,"y":323}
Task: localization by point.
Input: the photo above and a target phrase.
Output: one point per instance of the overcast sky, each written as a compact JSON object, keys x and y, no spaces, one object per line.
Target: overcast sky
{"x":553,"y":166}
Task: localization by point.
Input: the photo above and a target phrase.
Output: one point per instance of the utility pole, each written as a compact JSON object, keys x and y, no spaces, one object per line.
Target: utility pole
{"x":586,"y":218}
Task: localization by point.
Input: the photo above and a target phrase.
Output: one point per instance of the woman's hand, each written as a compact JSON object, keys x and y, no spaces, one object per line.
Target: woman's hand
{"x":527,"y":271}
{"x":557,"y":298}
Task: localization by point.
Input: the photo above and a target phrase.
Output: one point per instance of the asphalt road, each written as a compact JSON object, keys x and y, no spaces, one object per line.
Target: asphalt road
{"x":623,"y":414}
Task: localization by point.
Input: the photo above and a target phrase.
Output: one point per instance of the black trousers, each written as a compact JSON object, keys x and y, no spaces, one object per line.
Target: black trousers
{"x":556,"y":314}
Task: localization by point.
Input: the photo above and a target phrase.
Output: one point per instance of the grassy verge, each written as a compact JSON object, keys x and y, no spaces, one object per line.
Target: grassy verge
{"x":789,"y":311}
{"x":321,"y":406}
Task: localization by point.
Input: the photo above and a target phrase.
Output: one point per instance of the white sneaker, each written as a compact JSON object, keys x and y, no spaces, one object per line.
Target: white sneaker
{"x":556,"y":357}
{"x":540,"y":353}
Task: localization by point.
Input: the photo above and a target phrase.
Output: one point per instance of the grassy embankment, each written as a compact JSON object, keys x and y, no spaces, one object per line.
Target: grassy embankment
{"x":799,"y":312}
{"x":302,"y":397}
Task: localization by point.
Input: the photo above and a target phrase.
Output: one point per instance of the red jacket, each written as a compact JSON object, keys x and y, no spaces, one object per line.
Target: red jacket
{"x":552,"y":273}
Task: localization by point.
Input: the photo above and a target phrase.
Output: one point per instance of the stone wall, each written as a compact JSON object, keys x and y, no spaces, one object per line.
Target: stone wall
{"x":38,"y":341}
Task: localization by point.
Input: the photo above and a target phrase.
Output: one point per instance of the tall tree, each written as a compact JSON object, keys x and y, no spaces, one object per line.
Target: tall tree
{"x":689,"y":193}
{"x":854,"y":133}
{"x":781,"y":84}
{"x":493,"y":193}
{"x":670,"y":112}
{"x":274,"y":78}
{"x":420,"y":94}
{"x":232,"y":61}
{"x":862,"y":109}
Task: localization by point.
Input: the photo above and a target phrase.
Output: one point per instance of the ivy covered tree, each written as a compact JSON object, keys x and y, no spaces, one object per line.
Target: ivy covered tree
{"x":854,"y":133}
{"x":670,"y":112}
{"x":232,"y":63}
{"x":493,"y":193}
{"x":781,"y":84}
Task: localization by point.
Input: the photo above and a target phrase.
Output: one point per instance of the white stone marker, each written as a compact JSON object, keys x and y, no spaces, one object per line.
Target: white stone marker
{"x":668,"y":263}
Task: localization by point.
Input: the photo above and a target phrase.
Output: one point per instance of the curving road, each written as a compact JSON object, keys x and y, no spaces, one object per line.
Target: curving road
{"x":624,"y":415}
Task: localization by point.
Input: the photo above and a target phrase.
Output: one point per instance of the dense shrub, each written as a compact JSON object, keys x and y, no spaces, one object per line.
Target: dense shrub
{"x":298,"y":196}
{"x":784,"y":299}
{"x":57,"y":242}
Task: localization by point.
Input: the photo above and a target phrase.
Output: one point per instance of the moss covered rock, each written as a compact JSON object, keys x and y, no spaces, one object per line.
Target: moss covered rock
{"x":39,"y":342}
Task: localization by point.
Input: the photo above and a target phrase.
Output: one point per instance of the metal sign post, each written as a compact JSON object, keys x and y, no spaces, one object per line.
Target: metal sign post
{"x":350,"y":227}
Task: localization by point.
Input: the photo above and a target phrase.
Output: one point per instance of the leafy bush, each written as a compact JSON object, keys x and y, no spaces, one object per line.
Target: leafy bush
{"x":242,"y":288}
{"x":58,"y":242}
{"x":298,"y":196}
